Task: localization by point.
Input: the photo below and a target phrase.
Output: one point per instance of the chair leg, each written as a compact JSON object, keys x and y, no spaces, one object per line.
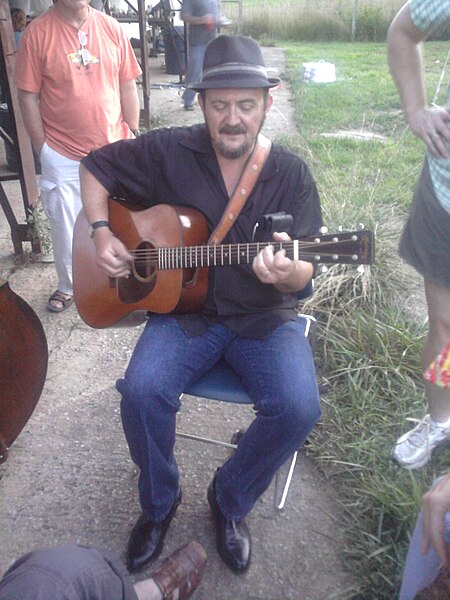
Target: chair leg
{"x":197,"y":438}
{"x":279,"y":505}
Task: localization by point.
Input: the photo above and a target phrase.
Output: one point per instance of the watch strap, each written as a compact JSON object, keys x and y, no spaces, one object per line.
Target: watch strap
{"x":97,"y":225}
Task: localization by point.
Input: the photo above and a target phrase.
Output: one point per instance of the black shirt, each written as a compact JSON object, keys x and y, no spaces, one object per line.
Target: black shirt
{"x":179,"y":166}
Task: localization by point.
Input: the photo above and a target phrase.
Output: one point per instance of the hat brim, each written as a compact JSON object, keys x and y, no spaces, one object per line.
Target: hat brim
{"x":229,"y":82}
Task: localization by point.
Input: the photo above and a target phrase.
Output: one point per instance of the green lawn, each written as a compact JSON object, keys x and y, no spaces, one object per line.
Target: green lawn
{"x":369,"y":339}
{"x":363,"y":98}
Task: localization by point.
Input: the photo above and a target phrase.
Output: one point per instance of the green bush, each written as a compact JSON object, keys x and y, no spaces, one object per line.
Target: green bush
{"x":323,"y":20}
{"x":311,"y":28}
{"x":372,"y":24}
{"x":294,"y":27}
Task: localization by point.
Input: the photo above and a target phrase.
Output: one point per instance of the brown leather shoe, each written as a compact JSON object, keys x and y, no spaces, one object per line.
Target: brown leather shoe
{"x":179,"y":575}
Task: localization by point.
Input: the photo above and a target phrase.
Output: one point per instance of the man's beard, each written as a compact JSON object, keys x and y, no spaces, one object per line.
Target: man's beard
{"x":232,"y":154}
{"x":235,"y":153}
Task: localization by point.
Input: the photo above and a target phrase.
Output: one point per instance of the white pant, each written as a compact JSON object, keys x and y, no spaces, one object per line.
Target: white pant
{"x":61,"y":201}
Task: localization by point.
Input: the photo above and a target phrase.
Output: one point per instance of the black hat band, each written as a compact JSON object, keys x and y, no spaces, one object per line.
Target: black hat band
{"x":236,"y":68}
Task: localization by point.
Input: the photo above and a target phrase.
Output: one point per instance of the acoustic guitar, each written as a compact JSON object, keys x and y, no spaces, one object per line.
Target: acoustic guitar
{"x":169,"y":271}
{"x":23,"y":365}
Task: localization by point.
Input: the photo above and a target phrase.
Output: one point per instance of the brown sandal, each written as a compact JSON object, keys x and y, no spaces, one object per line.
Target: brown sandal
{"x":179,"y":575}
{"x":64,"y":300}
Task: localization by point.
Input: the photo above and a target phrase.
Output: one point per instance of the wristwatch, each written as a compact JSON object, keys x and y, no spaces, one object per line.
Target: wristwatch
{"x":136,"y":132}
{"x":97,"y":225}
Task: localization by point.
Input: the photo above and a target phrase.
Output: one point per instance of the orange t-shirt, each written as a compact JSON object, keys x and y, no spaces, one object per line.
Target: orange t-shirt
{"x":79,"y":103}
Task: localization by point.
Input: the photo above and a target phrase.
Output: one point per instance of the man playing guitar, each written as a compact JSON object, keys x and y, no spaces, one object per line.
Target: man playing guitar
{"x":249,"y":315}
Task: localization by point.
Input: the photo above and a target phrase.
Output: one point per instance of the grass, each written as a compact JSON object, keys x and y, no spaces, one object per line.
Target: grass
{"x":363,"y":98}
{"x":371,"y":329}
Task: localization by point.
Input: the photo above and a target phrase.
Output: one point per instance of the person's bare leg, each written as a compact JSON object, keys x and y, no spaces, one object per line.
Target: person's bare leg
{"x":438,"y":299}
{"x":414,"y":448}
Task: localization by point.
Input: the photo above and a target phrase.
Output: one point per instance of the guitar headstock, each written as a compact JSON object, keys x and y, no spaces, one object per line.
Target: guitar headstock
{"x":351,"y":247}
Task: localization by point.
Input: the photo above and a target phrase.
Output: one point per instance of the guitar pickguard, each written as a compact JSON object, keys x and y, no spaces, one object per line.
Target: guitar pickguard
{"x":132,"y":290}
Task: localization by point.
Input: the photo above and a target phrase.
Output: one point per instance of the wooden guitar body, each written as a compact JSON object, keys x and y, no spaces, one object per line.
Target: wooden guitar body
{"x":171,"y":258}
{"x":23,"y":365}
{"x":102,"y":301}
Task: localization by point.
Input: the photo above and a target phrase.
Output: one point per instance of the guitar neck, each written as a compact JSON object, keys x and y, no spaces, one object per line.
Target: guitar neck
{"x":344,"y":248}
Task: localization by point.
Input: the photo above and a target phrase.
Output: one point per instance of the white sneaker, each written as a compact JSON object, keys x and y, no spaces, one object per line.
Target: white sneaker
{"x":413,"y":449}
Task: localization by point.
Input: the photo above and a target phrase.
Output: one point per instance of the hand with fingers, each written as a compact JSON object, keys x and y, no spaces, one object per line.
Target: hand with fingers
{"x":111,"y":254}
{"x":432,"y":125}
{"x":436,"y":504}
{"x":274,"y":267}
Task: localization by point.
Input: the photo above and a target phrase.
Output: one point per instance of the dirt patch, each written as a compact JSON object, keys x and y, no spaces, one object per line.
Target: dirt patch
{"x":360,"y":135}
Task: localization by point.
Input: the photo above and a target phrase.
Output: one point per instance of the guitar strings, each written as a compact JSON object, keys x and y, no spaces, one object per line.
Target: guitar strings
{"x":236,"y":248}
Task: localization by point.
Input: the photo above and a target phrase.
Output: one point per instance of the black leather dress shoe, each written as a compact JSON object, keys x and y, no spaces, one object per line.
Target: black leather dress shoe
{"x":233,"y":539}
{"x":147,"y":539}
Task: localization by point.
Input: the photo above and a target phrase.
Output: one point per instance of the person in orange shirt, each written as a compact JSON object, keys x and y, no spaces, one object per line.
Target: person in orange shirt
{"x":75,"y":73}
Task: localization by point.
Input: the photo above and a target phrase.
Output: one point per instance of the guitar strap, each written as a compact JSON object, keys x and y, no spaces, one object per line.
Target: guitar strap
{"x":242,"y":191}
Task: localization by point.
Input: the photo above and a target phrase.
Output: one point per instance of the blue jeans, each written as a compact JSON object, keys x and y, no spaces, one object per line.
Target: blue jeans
{"x":421,"y":570}
{"x":280,"y":376}
{"x":194,"y":71}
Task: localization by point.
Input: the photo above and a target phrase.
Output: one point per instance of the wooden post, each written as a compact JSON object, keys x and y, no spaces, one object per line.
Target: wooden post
{"x":354,"y":19}
{"x":27,"y":175}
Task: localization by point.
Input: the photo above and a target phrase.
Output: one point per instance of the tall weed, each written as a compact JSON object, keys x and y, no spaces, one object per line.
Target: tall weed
{"x":315,"y":20}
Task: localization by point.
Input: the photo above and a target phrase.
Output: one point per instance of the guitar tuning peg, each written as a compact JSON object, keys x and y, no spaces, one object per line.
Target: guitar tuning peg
{"x":340,"y":228}
{"x":323,"y":229}
{"x":361,"y":225}
{"x":323,"y":268}
{"x":360,"y":269}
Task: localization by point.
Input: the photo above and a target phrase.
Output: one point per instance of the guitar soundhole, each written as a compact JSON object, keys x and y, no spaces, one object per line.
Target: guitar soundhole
{"x":142,"y":279}
{"x":143,"y":267}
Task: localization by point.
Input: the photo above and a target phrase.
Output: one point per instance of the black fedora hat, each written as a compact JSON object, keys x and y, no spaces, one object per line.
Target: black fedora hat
{"x":234,"y":61}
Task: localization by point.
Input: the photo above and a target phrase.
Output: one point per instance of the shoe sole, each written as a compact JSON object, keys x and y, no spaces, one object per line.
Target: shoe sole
{"x":413,"y":467}
{"x":66,"y":305}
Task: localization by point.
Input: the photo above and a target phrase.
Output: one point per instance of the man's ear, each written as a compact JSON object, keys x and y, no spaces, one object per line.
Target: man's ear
{"x":201,"y":103}
{"x":269,"y":102}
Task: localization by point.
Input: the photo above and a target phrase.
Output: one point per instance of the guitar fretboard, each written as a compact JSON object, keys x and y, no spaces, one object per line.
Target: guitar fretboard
{"x":215,"y":256}
{"x":353,"y":247}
